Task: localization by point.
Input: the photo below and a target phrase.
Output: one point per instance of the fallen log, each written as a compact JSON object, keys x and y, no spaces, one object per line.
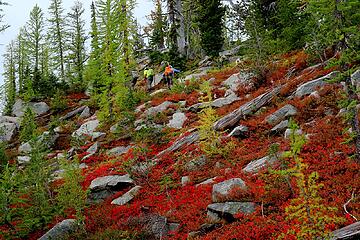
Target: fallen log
{"x":349,"y":232}
{"x":248,"y":108}
{"x":181,"y":143}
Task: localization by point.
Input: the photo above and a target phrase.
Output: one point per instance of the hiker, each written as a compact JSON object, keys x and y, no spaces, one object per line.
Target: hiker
{"x":149,"y":77}
{"x":134,"y":78}
{"x":169,"y":75}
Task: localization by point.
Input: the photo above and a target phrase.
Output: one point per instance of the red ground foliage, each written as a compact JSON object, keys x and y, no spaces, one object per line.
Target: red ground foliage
{"x":162,"y":193}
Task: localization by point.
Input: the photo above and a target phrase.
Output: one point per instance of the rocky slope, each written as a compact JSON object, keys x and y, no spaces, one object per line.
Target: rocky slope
{"x":154,"y":178}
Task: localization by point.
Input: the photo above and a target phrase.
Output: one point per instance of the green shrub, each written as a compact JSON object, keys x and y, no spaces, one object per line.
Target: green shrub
{"x":28,"y":126}
{"x":70,"y":195}
{"x":58,"y":103}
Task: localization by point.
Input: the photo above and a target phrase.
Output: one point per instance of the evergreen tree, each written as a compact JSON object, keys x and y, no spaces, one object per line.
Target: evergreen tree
{"x":28,"y":130}
{"x":158,"y":25}
{"x":35,"y":35}
{"x":21,"y":58}
{"x":210,"y":17}
{"x":192,"y":31}
{"x":115,"y":30}
{"x":10,"y":78}
{"x":57,"y":35}
{"x":77,"y":38}
{"x":93,"y":73}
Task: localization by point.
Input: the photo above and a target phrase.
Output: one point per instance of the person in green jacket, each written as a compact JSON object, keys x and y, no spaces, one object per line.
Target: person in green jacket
{"x":149,"y":76}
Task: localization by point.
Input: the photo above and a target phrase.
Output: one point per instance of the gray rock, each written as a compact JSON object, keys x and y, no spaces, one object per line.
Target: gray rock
{"x":60,"y":230}
{"x":103,"y":187}
{"x":25,"y":148}
{"x":309,"y":87}
{"x":94,"y":148}
{"x":118,"y":151}
{"x":141,"y":107}
{"x":220,"y":102}
{"x":85,"y":113}
{"x":71,"y":152}
{"x":162,"y":90}
{"x":315,"y":95}
{"x":207,"y":182}
{"x":139,"y":122}
{"x":181,"y":142}
{"x":87,"y":128}
{"x":196,"y":163}
{"x":18,"y":108}
{"x":238,"y":79}
{"x":97,"y":135}
{"x":185,"y":180}
{"x":7,"y":131}
{"x":177,"y":121}
{"x":289,"y":131}
{"x":213,"y":217}
{"x":226,"y":210}
{"x":48,"y":139}
{"x":157,"y":79}
{"x":82,"y":165}
{"x":355,"y":79}
{"x":201,"y":72}
{"x":59,"y":130}
{"x":73,"y":113}
{"x":38,"y":108}
{"x":197,"y":106}
{"x":7,"y":119}
{"x":158,"y":109}
{"x":221,"y":191}
{"x":127,"y":197}
{"x":111,"y":181}
{"x":281,"y":127}
{"x":212,"y":80}
{"x":23,"y":159}
{"x":257,"y":165}
{"x":157,"y":225}
{"x":203,"y":62}
{"x":60,"y":156}
{"x":239,"y":131}
{"x":230,"y":52}
{"x":284,"y":112}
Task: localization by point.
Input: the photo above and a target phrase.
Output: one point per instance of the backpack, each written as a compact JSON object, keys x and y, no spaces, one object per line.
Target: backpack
{"x":168,"y":71}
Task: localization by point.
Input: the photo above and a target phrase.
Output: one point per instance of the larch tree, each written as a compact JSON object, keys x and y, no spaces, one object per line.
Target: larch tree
{"x":92,"y":71}
{"x":77,"y":53}
{"x":57,"y":36}
{"x":9,"y":77}
{"x":21,"y":58}
{"x":158,"y":26}
{"x":35,"y":35}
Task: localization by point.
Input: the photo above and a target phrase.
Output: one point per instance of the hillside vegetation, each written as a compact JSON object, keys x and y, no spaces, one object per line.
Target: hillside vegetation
{"x":260,"y":141}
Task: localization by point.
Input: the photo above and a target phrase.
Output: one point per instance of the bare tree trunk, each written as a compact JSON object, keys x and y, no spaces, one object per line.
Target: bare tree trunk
{"x":181,"y":41}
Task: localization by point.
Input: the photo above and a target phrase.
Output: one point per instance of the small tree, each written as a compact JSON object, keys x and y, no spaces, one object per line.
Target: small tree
{"x":10,"y":78}
{"x":28,"y":126}
{"x":209,"y":138}
{"x":307,"y":209}
{"x":70,"y":195}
